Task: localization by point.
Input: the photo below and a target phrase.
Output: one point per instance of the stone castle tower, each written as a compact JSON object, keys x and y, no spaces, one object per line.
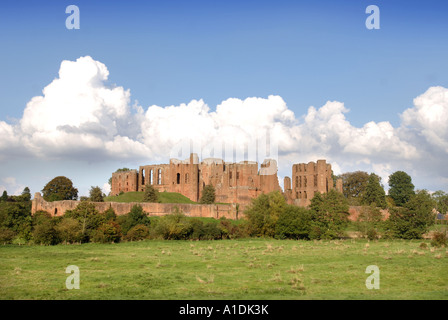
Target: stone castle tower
{"x":307,"y":179}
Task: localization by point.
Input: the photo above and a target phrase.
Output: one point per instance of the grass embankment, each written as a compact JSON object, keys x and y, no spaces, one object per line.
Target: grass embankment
{"x":226,"y":269}
{"x":165,"y":197}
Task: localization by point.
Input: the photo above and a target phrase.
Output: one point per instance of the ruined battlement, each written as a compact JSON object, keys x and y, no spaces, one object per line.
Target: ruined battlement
{"x":233,"y":182}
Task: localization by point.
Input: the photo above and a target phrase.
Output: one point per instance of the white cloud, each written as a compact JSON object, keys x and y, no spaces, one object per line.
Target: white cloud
{"x":80,"y":117}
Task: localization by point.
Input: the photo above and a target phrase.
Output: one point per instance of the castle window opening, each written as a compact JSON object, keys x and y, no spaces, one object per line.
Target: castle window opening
{"x":297,"y":181}
{"x":237,"y":175}
{"x":305,"y":182}
{"x":178,"y":178}
{"x":143,"y":176}
{"x":315,"y":180}
{"x":151,"y":176}
{"x":159,"y":177}
{"x":186,"y":178}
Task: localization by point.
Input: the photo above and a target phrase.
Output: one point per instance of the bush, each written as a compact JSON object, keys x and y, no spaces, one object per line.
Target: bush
{"x":175,"y":226}
{"x":439,"y":239}
{"x":329,"y":215}
{"x":414,"y":219}
{"x":69,"y":230}
{"x":369,"y":221}
{"x":208,"y":195}
{"x":151,"y":194}
{"x":138,"y":232}
{"x":110,"y":214}
{"x":264,"y":212}
{"x":45,"y":233}
{"x":6,"y":235}
{"x":89,"y":218}
{"x":293,"y":223}
{"x":135,"y":217}
{"x":107,"y":233}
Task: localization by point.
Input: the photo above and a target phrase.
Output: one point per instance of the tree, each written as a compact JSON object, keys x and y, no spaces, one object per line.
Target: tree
{"x":374,"y":192}
{"x":4,"y":196}
{"x":89,"y":218}
{"x":96,"y":195}
{"x":413,"y":219}
{"x":263,"y":213}
{"x":60,"y":188}
{"x":26,"y":194}
{"x":108,"y":232}
{"x":135,"y":217}
{"x":208,"y":195}
{"x":329,"y":215}
{"x":354,"y":185}
{"x":401,"y":187}
{"x":293,"y":223}
{"x":369,"y":221}
{"x":69,"y":230}
{"x":151,"y":194}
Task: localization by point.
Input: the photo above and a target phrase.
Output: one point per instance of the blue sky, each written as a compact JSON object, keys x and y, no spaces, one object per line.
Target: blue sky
{"x":171,"y":52}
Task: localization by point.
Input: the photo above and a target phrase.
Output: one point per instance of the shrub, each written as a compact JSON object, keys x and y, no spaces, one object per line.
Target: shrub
{"x":89,"y":218}
{"x":439,"y":239}
{"x":151,"y":194}
{"x":6,"y":235}
{"x":138,"y":232}
{"x":369,"y":221}
{"x":264,"y":212}
{"x":107,"y":233}
{"x":45,"y":233}
{"x":175,"y":226}
{"x":69,"y":230}
{"x":110,"y":214}
{"x":414,"y":219}
{"x":329,"y":215}
{"x":135,"y":217}
{"x":96,"y":194}
{"x":208,"y":195}
{"x":293,"y":223}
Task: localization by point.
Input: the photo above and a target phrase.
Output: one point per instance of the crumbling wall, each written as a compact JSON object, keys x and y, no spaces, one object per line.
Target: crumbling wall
{"x":58,"y":208}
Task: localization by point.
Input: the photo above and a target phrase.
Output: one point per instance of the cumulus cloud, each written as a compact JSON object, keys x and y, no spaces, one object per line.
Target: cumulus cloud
{"x":78,"y":114}
{"x":81,"y":116}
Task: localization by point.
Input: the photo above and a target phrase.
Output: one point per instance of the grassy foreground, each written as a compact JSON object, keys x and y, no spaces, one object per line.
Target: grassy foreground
{"x":227,"y":269}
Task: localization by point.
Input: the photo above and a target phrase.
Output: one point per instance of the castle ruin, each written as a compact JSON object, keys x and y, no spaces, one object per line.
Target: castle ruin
{"x":233,"y":182}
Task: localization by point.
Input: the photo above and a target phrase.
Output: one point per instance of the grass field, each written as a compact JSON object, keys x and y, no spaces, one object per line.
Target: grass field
{"x":165,"y":197}
{"x":227,"y":269}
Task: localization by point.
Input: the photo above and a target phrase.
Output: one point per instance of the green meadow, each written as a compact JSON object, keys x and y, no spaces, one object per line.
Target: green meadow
{"x":226,"y":269}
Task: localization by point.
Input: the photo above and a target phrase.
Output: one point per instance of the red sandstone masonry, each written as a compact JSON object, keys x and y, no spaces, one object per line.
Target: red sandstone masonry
{"x":58,"y":208}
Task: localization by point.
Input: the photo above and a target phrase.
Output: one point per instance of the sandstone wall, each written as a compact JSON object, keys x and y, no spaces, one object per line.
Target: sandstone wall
{"x":58,"y":208}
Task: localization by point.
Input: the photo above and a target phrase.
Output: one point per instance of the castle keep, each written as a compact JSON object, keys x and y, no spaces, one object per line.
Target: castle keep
{"x":233,"y":182}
